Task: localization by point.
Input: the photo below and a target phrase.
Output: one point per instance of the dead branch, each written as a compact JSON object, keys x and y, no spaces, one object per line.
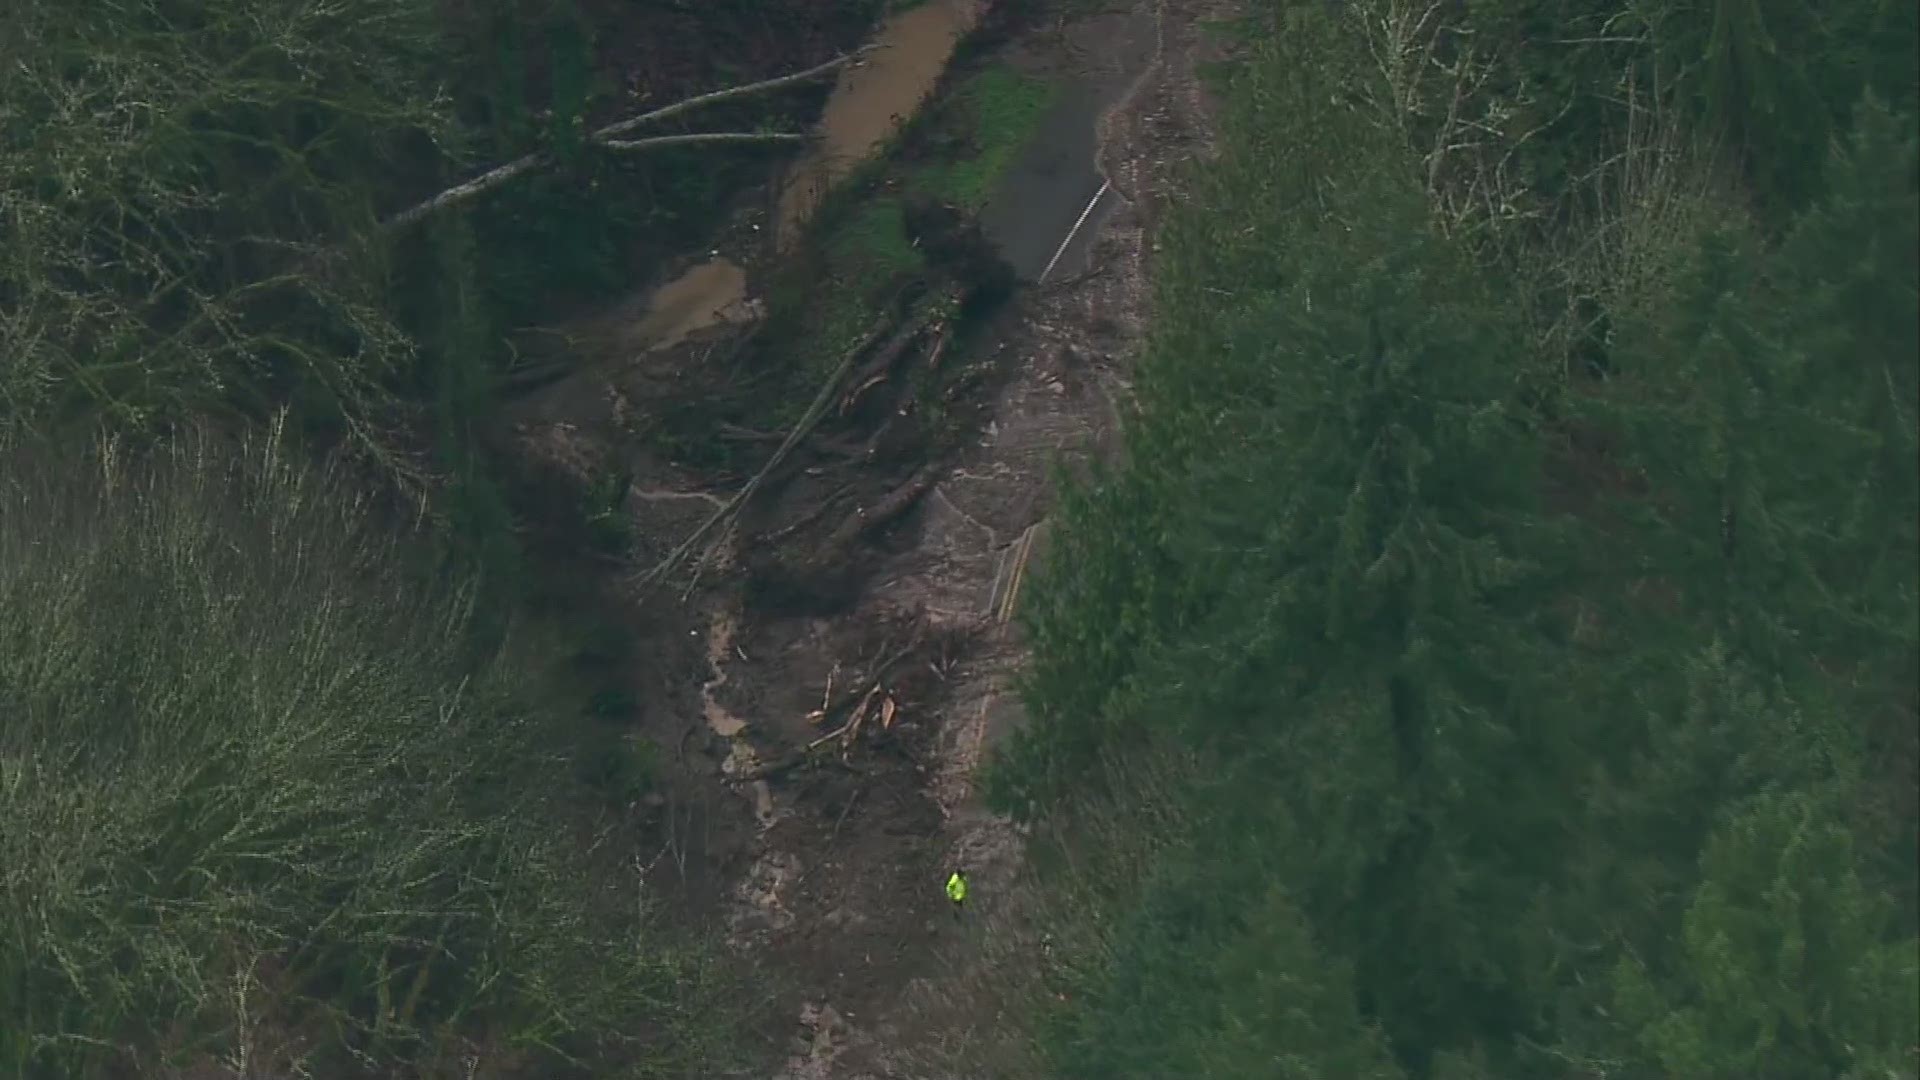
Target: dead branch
{"x":1020,"y":552}
{"x":897,"y":502}
{"x":701,"y":101}
{"x":878,"y":675}
{"x":846,"y":732}
{"x":887,"y":354}
{"x":844,"y":811}
{"x":807,"y":422}
{"x":610,"y":136}
{"x":657,"y":142}
{"x":876,"y":370}
{"x":812,"y":515}
{"x":459,"y":193}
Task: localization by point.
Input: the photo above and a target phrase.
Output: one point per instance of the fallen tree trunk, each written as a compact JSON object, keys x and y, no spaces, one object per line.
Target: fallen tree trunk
{"x":611,"y":136}
{"x":866,"y":519}
{"x":807,"y":422}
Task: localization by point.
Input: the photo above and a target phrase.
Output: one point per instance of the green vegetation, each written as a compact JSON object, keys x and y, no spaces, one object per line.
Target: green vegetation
{"x":1002,"y":110}
{"x":193,"y":201}
{"x":172,"y":188}
{"x":955,"y":154}
{"x":1495,"y":653}
{"x":262,"y":816}
{"x":287,"y":787}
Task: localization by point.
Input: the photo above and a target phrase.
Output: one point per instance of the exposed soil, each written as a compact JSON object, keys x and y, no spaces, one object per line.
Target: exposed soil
{"x":825,"y":672}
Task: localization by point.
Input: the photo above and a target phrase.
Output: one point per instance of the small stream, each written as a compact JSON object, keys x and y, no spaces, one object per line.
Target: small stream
{"x":724,"y":723}
{"x":872,"y":100}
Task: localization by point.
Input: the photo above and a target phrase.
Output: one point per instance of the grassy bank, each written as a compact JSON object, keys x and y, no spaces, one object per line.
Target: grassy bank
{"x":1493,"y":655}
{"x":864,"y":255}
{"x":261,"y":817}
{"x":288,"y":788}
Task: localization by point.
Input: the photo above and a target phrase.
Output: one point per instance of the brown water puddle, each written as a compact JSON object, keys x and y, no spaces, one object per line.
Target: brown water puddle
{"x":708,"y":294}
{"x":871,"y":100}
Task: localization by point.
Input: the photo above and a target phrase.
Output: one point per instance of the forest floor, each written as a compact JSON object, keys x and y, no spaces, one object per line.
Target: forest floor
{"x":822,"y":673}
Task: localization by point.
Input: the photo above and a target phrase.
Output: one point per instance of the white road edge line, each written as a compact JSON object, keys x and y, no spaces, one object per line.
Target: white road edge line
{"x":1075,"y":231}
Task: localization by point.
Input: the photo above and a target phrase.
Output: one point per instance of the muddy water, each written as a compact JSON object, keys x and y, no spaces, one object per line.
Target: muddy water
{"x":869,"y":102}
{"x":709,"y":293}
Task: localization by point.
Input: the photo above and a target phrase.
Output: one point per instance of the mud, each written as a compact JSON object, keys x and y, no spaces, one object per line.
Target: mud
{"x":863,"y":930}
{"x":706,"y":294}
{"x":831,"y":750}
{"x":869,"y":102}
{"x":872,"y":100}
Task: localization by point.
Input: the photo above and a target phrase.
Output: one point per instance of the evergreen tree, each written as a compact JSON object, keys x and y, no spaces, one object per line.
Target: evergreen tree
{"x":1627,"y":795}
{"x":1784,"y":967}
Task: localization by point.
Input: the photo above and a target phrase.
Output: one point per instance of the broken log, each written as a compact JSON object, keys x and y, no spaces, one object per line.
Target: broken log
{"x":867,"y":519}
{"x":611,"y":136}
{"x":801,"y":429}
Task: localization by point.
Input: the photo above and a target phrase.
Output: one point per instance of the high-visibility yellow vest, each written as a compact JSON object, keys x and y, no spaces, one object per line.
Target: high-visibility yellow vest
{"x":956,"y":887}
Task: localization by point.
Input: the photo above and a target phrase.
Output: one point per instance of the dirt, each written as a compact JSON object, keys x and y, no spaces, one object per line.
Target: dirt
{"x":823,"y":738}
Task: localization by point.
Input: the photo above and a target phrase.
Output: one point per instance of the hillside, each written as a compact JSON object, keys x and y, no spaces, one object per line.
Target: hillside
{"x":1382,"y":538}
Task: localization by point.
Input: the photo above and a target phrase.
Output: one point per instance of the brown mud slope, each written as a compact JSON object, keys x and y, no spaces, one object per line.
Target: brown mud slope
{"x":824,"y":666}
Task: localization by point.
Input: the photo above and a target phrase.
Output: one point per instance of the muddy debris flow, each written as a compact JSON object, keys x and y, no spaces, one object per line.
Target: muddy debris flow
{"x":870,"y":102}
{"x":843,"y":642}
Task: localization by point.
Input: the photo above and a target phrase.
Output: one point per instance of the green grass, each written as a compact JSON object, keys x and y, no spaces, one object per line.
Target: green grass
{"x":861,"y":254}
{"x":824,"y":301}
{"x":1002,"y":110}
{"x":873,"y":243}
{"x":263,"y":800}
{"x":866,"y":259}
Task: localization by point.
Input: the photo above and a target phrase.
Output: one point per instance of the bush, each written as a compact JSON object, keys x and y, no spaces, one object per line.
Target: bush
{"x":264,"y":803}
{"x":180,"y":186}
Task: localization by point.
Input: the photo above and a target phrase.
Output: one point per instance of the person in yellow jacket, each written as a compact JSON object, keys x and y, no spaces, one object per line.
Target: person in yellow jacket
{"x":957,"y":890}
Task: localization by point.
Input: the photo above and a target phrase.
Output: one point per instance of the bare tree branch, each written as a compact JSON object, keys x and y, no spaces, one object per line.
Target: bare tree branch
{"x":479,"y":185}
{"x":801,"y":429}
{"x":658,"y":141}
{"x":609,"y":136}
{"x":717,"y":96}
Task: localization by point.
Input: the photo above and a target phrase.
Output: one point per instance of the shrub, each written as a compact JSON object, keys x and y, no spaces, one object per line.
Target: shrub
{"x":263,"y":802}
